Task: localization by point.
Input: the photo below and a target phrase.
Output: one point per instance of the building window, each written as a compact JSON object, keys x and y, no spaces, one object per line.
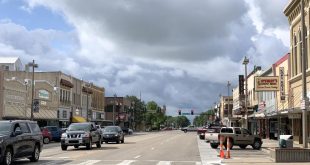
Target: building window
{"x":300,"y":52}
{"x":64,"y":114}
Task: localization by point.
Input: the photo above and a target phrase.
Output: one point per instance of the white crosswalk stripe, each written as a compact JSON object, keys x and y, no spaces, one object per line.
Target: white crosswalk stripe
{"x":164,"y":163}
{"x":89,"y":162}
{"x":126,"y":162}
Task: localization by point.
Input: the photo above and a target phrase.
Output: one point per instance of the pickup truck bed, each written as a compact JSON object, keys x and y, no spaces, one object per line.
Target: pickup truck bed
{"x":211,"y":136}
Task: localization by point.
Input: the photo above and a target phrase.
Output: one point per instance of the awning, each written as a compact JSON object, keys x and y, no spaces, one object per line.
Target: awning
{"x":78,"y":119}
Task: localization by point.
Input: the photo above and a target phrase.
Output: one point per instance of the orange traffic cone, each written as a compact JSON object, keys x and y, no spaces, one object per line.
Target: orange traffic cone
{"x":228,"y":149}
{"x":222,"y":154}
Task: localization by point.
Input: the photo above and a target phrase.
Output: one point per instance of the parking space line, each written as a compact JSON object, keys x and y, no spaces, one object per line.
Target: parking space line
{"x":137,"y":156}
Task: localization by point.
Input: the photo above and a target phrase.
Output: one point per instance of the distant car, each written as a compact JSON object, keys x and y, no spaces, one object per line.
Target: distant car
{"x":47,"y":135}
{"x":189,"y":128}
{"x":20,"y":139}
{"x":201,"y":132}
{"x":55,"y":131}
{"x":113,"y":134}
{"x":125,"y":130}
{"x":130,"y":131}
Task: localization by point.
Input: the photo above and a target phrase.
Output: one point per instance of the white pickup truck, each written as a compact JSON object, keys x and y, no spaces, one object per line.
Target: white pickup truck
{"x":211,"y":136}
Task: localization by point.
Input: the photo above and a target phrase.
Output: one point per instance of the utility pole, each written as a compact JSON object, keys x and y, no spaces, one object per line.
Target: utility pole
{"x":114,"y":109}
{"x":245,"y":63}
{"x":304,"y":81}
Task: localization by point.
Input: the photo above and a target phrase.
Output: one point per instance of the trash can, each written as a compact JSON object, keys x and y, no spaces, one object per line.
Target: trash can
{"x":286,"y":141}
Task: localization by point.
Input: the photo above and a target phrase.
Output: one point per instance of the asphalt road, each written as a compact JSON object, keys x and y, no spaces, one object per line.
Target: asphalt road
{"x":155,"y":148}
{"x":161,"y":148}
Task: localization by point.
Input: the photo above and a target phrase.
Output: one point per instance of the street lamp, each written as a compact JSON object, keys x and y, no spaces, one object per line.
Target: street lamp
{"x":33,"y":65}
{"x":245,"y":63}
{"x":305,"y":99}
{"x":228,"y":85}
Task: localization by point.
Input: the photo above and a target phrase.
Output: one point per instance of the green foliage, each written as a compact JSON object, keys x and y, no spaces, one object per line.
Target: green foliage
{"x":203,"y":118}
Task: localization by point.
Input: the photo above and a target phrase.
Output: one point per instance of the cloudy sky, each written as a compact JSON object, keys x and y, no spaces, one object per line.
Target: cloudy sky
{"x":179,"y":53}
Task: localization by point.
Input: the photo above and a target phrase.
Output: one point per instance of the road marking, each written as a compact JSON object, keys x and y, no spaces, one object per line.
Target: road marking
{"x":89,"y":162}
{"x":63,"y":157}
{"x":126,"y":162}
{"x":137,"y":156}
{"x":164,"y":163}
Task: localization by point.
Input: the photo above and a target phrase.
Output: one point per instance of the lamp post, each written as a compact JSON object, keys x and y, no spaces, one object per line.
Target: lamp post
{"x":228,"y":85}
{"x":245,"y":63}
{"x":33,"y":65}
{"x":304,"y":79}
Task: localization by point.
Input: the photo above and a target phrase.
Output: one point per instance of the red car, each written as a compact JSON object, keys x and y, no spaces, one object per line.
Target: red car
{"x":201,"y":132}
{"x":47,"y":135}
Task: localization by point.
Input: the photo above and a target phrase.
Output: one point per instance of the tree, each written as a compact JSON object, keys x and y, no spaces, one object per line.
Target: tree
{"x":203,"y":118}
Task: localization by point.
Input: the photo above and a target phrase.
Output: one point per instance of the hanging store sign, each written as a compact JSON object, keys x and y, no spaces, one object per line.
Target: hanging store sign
{"x":268,"y":83}
{"x":282,"y":85}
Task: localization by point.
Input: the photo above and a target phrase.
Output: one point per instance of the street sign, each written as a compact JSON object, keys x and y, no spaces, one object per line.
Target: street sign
{"x":185,"y":113}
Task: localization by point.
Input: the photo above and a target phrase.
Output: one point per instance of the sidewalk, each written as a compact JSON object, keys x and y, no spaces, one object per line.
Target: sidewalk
{"x":270,"y":145}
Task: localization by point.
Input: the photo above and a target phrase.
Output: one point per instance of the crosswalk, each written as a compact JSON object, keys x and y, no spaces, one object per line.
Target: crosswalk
{"x":116,"y":162}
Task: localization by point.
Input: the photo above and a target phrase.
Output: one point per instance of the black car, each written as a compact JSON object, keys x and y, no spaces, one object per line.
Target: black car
{"x":20,"y":139}
{"x":81,"y":134}
{"x":113,"y":134}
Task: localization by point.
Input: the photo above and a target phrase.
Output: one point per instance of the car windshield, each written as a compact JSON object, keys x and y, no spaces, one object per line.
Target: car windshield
{"x":79,"y":127}
{"x":5,"y":128}
{"x":110,"y":129}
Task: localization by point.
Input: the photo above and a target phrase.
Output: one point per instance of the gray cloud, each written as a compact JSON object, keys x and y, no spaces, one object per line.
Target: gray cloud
{"x":175,"y":52}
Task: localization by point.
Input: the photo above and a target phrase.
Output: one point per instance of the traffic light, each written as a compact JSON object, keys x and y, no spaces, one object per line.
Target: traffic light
{"x":36,"y":105}
{"x":192,"y":112}
{"x":179,"y":112}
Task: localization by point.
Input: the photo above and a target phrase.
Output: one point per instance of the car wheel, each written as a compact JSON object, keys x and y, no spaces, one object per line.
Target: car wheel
{"x":89,"y":145}
{"x":185,"y":131}
{"x":64,"y":147}
{"x":117,"y":141}
{"x":106,"y":142}
{"x":8,"y":155}
{"x":243,"y":146}
{"x":98,"y":144}
{"x":76,"y":146}
{"x":257,"y":145}
{"x":46,"y":140}
{"x":214,"y":145}
{"x":123,"y":140}
{"x":36,"y":154}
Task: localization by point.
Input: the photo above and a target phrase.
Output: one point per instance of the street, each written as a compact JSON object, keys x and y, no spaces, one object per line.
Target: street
{"x":161,"y":148}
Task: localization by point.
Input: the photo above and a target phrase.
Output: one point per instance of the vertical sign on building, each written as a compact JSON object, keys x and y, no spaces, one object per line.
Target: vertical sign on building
{"x":282,"y":85}
{"x":241,"y":85}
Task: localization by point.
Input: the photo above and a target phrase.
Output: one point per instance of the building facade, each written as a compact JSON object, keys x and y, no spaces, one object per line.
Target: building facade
{"x":61,"y":98}
{"x":293,"y":12}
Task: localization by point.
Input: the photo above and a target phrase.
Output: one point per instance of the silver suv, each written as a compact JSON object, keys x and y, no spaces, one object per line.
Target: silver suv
{"x":81,"y":134}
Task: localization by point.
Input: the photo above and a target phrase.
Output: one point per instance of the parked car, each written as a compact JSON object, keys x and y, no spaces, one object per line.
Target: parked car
{"x":55,"y":131}
{"x":47,"y":135}
{"x":113,"y":134}
{"x":81,"y":134}
{"x":20,"y":139}
{"x":212,"y":136}
{"x":201,"y":132}
{"x":240,"y":137}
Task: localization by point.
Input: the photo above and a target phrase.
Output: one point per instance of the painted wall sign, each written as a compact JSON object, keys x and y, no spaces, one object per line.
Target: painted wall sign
{"x":268,"y":83}
{"x":44,"y":94}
